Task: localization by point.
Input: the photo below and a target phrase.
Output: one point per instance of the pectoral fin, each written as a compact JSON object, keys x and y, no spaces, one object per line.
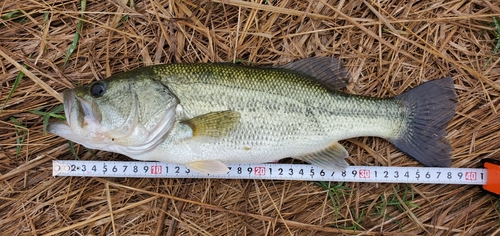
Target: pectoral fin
{"x":214,"y":124}
{"x":208,"y":167}
{"x":330,"y":158}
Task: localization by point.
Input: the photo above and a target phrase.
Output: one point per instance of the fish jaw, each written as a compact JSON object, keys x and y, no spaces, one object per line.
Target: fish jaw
{"x":82,"y":121}
{"x":73,"y":111}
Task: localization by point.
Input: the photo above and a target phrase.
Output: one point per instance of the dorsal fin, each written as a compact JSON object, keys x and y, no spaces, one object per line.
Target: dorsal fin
{"x":328,"y":71}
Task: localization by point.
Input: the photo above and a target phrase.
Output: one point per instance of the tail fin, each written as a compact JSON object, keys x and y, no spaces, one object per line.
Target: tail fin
{"x":431,"y":106}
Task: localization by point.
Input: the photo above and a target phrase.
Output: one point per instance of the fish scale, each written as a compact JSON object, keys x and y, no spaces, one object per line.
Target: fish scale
{"x":275,"y":120}
{"x":291,"y":100}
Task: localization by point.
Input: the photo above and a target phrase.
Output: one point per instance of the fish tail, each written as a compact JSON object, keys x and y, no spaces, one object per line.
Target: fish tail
{"x":429,"y":107}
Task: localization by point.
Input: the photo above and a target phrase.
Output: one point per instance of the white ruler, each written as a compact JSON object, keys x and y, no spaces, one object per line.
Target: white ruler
{"x":380,"y":174}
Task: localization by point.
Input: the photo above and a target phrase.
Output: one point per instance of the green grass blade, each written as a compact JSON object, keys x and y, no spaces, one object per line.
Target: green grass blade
{"x":46,"y":16}
{"x":72,"y":149}
{"x":122,"y":20}
{"x":496,"y":24}
{"x":20,"y":134}
{"x":79,"y":27}
{"x":48,"y":115}
{"x":11,"y":15}
{"x":334,"y":192}
{"x":131,"y":4}
{"x":20,"y":75}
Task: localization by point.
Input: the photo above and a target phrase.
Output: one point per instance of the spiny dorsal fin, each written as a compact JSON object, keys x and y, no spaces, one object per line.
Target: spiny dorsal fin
{"x":328,"y":71}
{"x":214,"y":124}
{"x":330,"y":158}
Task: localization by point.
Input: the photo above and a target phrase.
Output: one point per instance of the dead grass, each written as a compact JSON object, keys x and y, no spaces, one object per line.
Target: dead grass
{"x":389,"y":47}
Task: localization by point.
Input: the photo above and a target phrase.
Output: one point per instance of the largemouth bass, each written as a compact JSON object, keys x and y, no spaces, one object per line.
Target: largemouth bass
{"x":205,"y":116}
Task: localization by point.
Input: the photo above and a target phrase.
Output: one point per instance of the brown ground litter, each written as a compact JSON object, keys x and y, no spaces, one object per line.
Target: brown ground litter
{"x":389,"y":47}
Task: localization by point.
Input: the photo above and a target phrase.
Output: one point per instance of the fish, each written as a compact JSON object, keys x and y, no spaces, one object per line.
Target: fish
{"x":208,"y":115}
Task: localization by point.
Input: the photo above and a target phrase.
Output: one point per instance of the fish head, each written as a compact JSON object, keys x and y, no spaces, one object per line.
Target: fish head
{"x":127,"y":114}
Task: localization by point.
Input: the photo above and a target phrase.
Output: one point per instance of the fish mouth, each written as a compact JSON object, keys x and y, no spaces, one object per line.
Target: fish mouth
{"x":72,"y":109}
{"x":78,"y":113}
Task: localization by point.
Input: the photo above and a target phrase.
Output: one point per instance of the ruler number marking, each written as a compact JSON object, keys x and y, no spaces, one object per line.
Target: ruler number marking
{"x":470,"y":176}
{"x":473,"y":176}
{"x":260,"y":171}
{"x":364,"y":174}
{"x":156,"y":169}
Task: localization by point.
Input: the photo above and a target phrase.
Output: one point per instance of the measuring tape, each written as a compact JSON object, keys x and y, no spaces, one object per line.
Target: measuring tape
{"x":380,"y":174}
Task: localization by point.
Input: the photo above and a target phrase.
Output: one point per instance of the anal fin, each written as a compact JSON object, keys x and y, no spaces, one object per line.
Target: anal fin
{"x":208,"y":167}
{"x":331,"y":158}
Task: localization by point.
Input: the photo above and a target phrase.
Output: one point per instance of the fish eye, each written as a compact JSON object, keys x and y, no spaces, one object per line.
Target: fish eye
{"x":97,"y":89}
